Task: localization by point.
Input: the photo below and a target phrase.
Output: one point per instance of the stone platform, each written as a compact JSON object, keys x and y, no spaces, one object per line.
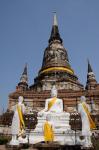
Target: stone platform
{"x":20,"y":147}
{"x":55,"y":146}
{"x":62,"y":130}
{"x":45,"y":146}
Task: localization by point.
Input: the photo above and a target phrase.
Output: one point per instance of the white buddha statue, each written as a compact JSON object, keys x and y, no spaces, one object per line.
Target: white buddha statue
{"x":58,"y":119}
{"x":18,"y":125}
{"x":87,"y":122}
{"x":53,"y":104}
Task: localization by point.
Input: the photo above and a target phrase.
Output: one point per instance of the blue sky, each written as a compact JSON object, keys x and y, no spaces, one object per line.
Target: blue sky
{"x":25,"y":27}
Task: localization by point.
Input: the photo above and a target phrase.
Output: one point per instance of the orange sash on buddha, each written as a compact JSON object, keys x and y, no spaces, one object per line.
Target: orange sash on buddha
{"x":51,"y":103}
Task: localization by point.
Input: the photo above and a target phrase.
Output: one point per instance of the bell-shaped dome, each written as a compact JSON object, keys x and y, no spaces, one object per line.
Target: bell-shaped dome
{"x":55,"y":55}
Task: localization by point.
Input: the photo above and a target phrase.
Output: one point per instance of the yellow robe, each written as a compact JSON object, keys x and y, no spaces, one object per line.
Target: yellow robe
{"x":91,"y":122}
{"x":22,"y":124}
{"x":48,"y":132}
{"x":51,"y":103}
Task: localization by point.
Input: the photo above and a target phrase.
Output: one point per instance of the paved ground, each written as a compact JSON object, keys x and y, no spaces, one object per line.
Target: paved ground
{"x":2,"y":147}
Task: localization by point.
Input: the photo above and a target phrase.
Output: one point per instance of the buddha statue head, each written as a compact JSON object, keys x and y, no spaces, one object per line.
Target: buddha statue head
{"x":54,"y":91}
{"x":20,"y":99}
{"x":83,"y":99}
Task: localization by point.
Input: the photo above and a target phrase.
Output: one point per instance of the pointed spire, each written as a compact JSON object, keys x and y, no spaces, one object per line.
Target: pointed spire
{"x":23,"y":84}
{"x":55,"y":23}
{"x":90,"y":73}
{"x":55,"y":31}
{"x":89,"y":67}
{"x":91,"y":80}
{"x":25,"y":70}
{"x":24,"y":77}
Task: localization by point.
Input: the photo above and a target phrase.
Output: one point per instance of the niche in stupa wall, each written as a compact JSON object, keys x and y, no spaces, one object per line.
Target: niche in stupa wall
{"x":12,"y":103}
{"x":46,"y":86}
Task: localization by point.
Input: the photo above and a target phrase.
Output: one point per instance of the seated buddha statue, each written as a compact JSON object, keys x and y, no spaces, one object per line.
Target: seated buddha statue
{"x":53,"y":104}
{"x":52,"y":121}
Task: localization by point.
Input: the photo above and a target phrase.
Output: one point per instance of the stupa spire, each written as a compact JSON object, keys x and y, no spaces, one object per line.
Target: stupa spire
{"x":91,"y":80}
{"x":55,"y":35}
{"x":23,"y":84}
{"x":55,"y":66}
{"x":55,"y":23}
{"x":89,"y":67}
{"x":24,"y":77}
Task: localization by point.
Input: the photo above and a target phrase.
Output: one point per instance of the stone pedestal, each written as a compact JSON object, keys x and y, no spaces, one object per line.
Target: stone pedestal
{"x":13,"y":147}
{"x":17,"y":141}
{"x":62,"y":130}
{"x":14,"y":142}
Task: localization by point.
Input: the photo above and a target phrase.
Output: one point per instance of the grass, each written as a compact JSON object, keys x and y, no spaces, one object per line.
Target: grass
{"x":95,"y":143}
{"x":3,"y":140}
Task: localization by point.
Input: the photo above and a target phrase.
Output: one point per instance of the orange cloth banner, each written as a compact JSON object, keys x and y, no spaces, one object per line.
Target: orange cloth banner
{"x":48,"y":132}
